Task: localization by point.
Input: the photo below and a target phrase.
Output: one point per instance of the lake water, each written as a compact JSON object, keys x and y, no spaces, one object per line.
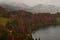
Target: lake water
{"x":47,"y":33}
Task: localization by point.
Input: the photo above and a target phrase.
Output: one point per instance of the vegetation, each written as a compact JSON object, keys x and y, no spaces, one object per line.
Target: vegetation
{"x":18,"y":25}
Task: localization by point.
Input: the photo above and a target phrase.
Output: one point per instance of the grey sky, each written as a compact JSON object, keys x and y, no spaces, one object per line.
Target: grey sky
{"x":34,"y":2}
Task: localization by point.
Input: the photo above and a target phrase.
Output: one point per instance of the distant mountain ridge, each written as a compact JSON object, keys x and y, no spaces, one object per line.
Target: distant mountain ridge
{"x":41,"y":8}
{"x":45,"y":8}
{"x":12,"y":7}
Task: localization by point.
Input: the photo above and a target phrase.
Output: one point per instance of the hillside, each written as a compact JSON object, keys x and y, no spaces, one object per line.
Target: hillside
{"x":40,"y":8}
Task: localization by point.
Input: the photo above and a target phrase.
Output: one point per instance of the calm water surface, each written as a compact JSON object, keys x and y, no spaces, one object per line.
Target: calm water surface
{"x":48,"y":33}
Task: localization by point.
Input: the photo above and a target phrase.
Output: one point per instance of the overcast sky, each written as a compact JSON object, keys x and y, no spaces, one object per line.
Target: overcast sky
{"x":34,"y":2}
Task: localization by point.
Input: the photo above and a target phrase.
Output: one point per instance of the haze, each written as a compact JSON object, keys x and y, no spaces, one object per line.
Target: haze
{"x":34,"y":2}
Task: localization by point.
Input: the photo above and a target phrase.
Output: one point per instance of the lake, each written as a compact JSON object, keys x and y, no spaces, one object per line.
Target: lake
{"x":47,"y":33}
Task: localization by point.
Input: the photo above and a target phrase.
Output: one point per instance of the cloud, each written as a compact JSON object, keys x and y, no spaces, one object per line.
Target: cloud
{"x":33,"y":2}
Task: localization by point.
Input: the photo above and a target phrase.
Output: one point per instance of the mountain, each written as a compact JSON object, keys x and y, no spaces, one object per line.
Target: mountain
{"x":41,"y":8}
{"x":14,"y":6}
{"x":45,"y":9}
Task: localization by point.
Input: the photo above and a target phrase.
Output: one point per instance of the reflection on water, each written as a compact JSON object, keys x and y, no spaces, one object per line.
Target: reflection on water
{"x":48,"y":33}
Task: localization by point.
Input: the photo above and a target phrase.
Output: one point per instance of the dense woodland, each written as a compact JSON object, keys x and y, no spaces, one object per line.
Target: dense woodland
{"x":19,"y":23}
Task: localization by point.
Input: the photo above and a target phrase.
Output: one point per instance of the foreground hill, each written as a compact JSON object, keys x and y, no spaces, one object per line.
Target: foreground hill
{"x":30,"y":19}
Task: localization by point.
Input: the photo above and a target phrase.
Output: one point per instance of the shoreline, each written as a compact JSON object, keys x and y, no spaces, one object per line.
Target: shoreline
{"x":41,"y":26}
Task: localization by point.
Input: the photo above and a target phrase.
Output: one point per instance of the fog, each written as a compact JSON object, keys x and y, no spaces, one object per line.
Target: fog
{"x":33,"y":2}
